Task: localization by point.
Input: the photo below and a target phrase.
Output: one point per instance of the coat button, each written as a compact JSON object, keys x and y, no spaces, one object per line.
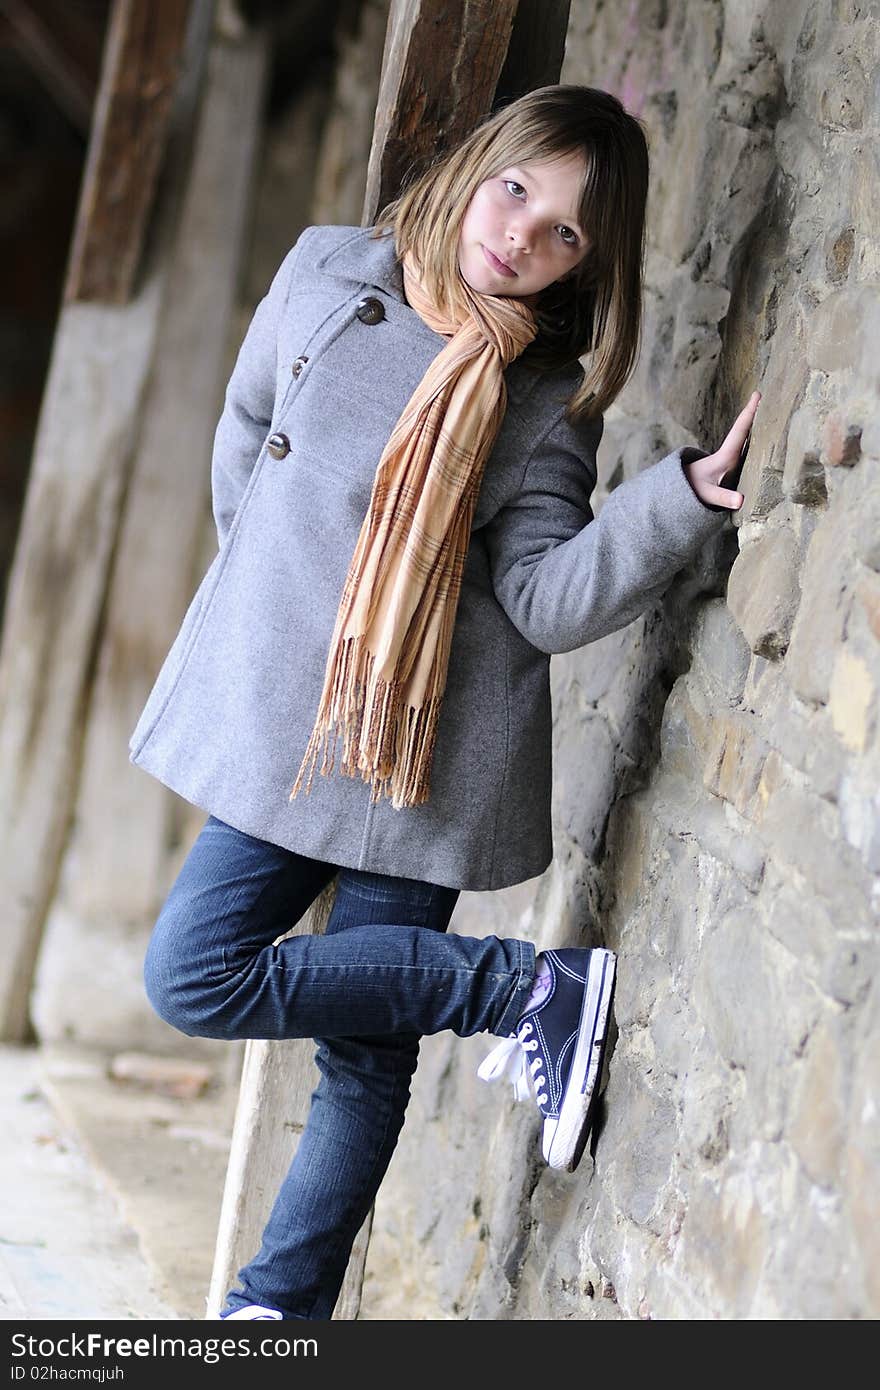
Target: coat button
{"x":298,"y":365}
{"x":278,"y":445}
{"x":370,"y":310}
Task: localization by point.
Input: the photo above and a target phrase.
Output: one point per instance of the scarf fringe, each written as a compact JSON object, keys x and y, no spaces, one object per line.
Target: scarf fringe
{"x":395,"y":756}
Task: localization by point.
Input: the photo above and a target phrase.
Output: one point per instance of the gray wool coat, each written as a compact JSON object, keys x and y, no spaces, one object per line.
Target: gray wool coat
{"x":332,"y":355}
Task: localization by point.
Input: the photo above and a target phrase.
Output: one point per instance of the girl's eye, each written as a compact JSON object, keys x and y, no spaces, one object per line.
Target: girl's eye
{"x":513,"y":187}
{"x":568,"y":236}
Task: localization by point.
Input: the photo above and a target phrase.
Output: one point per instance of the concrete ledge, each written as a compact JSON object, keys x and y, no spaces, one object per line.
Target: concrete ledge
{"x":114,"y":1188}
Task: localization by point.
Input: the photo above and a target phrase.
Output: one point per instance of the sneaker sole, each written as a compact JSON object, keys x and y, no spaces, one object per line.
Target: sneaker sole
{"x":576,"y":1111}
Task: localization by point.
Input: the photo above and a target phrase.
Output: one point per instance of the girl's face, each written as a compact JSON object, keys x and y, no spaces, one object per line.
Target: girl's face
{"x":520,"y":231}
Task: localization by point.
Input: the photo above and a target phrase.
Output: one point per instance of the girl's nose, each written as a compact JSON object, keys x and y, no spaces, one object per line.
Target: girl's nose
{"x":519,"y":236}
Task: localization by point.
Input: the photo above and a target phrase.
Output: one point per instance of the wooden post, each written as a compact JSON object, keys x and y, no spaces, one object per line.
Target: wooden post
{"x":536,"y":49}
{"x":128,"y":832}
{"x":101,"y":360}
{"x":441,"y":70}
{"x":142,"y":59}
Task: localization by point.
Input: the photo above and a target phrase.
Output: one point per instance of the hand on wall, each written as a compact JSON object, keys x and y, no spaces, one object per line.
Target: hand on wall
{"x":705,"y":475}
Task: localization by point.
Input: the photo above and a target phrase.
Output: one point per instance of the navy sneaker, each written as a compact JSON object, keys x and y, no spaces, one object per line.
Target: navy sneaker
{"x":253,"y":1312}
{"x":558,"y":1050}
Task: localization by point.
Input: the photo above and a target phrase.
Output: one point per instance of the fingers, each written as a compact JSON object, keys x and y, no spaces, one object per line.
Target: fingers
{"x":732,"y":450}
{"x":744,"y":421}
{"x":726,"y":497}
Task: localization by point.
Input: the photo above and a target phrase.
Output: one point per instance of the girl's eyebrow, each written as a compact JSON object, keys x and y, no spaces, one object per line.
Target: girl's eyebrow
{"x":524,"y":178}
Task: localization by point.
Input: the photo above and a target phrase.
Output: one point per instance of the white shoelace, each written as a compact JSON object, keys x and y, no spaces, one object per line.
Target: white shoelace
{"x":509,"y":1059}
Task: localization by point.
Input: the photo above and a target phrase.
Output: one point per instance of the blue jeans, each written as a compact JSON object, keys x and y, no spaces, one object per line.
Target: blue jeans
{"x":383,"y":974}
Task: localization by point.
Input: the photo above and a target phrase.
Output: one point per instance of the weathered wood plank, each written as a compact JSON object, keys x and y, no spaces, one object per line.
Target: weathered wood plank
{"x":142,"y":61}
{"x":536,"y":50}
{"x":89,"y":422}
{"x":440,"y":70}
{"x":117,"y":861}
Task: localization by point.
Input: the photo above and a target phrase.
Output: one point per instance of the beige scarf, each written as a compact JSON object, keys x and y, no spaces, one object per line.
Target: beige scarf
{"x":386,"y":667}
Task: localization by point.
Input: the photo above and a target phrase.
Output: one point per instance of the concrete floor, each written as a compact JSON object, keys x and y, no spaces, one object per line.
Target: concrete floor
{"x":112,"y":1190}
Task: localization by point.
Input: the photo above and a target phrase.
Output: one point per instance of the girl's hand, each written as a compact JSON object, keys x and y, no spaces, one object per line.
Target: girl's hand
{"x":705,"y":475}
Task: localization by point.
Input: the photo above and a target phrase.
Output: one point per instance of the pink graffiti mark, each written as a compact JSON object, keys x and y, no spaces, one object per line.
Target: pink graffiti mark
{"x":649,"y":63}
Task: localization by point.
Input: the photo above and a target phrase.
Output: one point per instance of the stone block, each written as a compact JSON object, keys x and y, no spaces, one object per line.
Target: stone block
{"x":799,"y":734}
{"x":850,"y":969}
{"x":641,"y":985}
{"x":735,"y":761}
{"x":802,"y":831}
{"x":762,"y":489}
{"x":841,"y":440}
{"x":866,"y":531}
{"x":590,"y":673}
{"x":817,"y":1127}
{"x":723,"y":1245}
{"x":852,"y":700}
{"x":718,"y":835}
{"x":808,"y":1272}
{"x":763,"y":591}
{"x":868,"y":596}
{"x":685,"y":731}
{"x":757,"y":1008}
{"x":732,"y":990}
{"x":803,"y":479}
{"x":709,"y":1094}
{"x":721,"y":653}
{"x":673,"y":1029}
{"x":845,"y":96}
{"x":817,"y":631}
{"x":831,"y":956}
{"x":583,"y":786}
{"x":839,"y":247}
{"x":844,"y":330}
{"x":861,"y":1179}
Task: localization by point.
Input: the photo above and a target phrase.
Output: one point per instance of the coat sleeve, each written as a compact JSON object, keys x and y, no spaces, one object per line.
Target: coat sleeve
{"x":565,"y":577}
{"x":250,"y":400}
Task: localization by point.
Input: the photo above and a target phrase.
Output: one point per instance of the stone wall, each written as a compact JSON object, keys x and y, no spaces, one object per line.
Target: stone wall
{"x":717,"y":818}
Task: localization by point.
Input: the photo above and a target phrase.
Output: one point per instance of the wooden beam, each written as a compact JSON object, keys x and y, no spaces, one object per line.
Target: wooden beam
{"x":117,"y":856}
{"x":61,"y":44}
{"x":142,"y":62}
{"x":89,"y":425}
{"x":536,"y":49}
{"x":440,"y":70}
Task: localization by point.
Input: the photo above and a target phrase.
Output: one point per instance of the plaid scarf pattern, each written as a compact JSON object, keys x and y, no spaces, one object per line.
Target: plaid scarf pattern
{"x":389,"y":652}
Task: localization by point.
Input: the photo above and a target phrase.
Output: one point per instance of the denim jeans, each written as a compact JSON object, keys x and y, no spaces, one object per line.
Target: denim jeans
{"x":382,"y":974}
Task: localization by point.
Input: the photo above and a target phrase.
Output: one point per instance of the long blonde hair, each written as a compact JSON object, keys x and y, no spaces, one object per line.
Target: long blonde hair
{"x":598,"y":308}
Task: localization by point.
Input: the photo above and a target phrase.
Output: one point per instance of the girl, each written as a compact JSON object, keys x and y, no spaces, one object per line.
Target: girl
{"x":401,"y":480}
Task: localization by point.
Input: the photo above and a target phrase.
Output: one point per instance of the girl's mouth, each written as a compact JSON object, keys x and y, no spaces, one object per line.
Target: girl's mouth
{"x":495,"y":264}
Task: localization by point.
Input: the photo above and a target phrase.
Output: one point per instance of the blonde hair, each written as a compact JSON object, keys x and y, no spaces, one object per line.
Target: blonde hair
{"x":598,"y":308}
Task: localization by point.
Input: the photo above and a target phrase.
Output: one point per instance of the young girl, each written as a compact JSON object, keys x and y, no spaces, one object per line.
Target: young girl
{"x":401,"y":479}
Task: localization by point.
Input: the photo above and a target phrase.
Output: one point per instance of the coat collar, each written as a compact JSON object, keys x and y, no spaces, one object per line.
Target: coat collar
{"x":367,"y":261}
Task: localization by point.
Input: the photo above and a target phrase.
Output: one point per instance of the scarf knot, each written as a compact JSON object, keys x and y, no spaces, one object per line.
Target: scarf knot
{"x":389,"y":652}
{"x":507,"y":325}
